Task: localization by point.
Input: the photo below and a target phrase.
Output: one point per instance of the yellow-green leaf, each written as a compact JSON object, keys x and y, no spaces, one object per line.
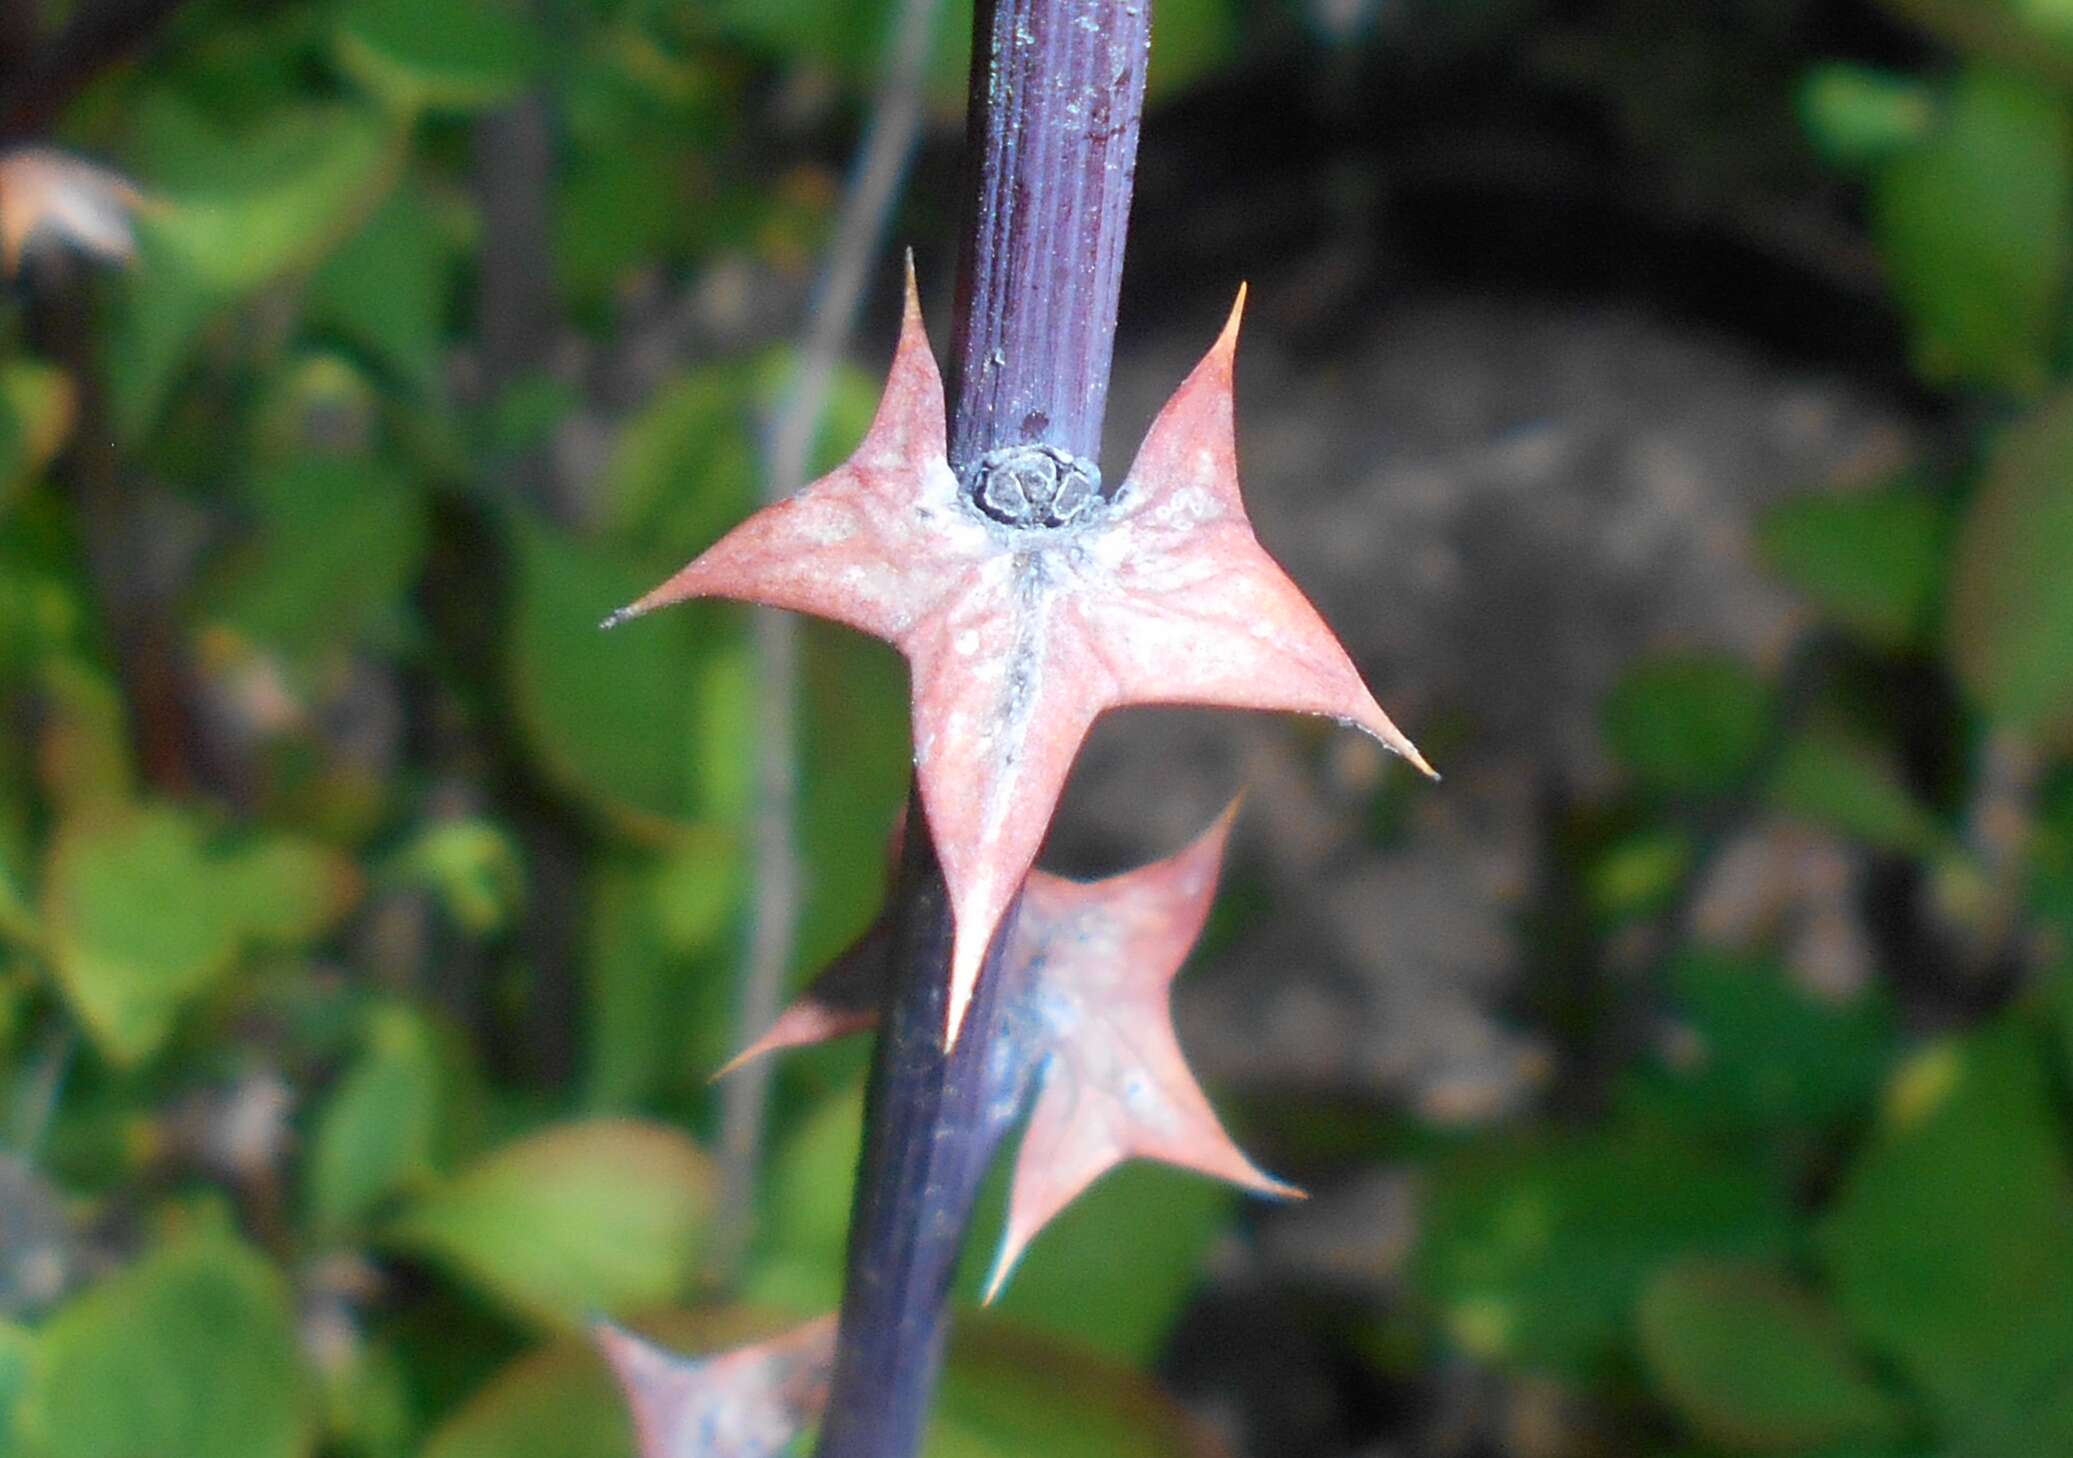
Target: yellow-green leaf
{"x":1976,"y":224}
{"x":143,"y":916}
{"x":192,"y":1351}
{"x":138,"y":925}
{"x":1873,"y":560}
{"x":376,"y":1133}
{"x":604,"y":1215}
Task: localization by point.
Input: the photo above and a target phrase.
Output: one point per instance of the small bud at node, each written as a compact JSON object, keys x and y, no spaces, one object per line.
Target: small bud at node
{"x":1033,"y":486}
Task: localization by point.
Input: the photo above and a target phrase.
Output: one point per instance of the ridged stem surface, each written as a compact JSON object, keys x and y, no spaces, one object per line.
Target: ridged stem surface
{"x":1056,"y":97}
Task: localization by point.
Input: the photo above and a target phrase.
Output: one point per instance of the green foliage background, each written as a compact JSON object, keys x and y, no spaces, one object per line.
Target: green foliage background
{"x":345,"y":1071}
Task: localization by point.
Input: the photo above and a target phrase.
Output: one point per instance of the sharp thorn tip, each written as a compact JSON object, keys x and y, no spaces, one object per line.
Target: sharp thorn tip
{"x":997,"y":1278}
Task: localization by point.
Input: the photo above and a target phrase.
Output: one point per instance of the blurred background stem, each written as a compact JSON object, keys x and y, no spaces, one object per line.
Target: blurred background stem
{"x":1057,"y":95}
{"x":867,"y":202}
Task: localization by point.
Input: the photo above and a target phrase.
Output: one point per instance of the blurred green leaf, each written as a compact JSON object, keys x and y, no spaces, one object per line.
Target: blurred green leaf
{"x":474,"y":868}
{"x":448,"y":1346}
{"x":286,"y":892}
{"x":2011,"y":613}
{"x":556,"y":1402}
{"x":377,"y":1132}
{"x":2050,"y":891}
{"x":85,"y":756}
{"x":191,"y":1351}
{"x":242,"y":209}
{"x":1872,"y":560}
{"x":1950,"y":1246}
{"x":457,"y":55}
{"x":608,"y":713}
{"x":17,"y":1351}
{"x":1113,"y":1272}
{"x":639,"y":77}
{"x":802,"y":1226}
{"x":724,"y":734}
{"x":1976,"y":225}
{"x":338,"y":542}
{"x":602,"y":1215}
{"x":2026,"y":1407}
{"x":152,"y":332}
{"x":1193,"y":39}
{"x":661,"y":991}
{"x":1636,"y":875}
{"x":1687,"y":725}
{"x":36,"y":408}
{"x":13,"y":455}
{"x":526,"y":413}
{"x":697,"y":887}
{"x":2054,"y":17}
{"x":1858,"y":115}
{"x":367,"y":1404}
{"x":18,"y":920}
{"x":1837,"y":1450}
{"x":1001,"y":1397}
{"x":245,"y":207}
{"x":138,"y":924}
{"x":1769,"y":1057}
{"x":618,"y":209}
{"x":1832,"y":781}
{"x":684,"y":468}
{"x":315,"y":402}
{"x":855,"y":763}
{"x":1755,"y":1363}
{"x":1535,"y":1250}
{"x":387,"y":287}
{"x":851,"y":38}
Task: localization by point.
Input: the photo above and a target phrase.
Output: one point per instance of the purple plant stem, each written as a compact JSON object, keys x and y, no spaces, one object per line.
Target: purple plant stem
{"x":1051,"y":147}
{"x":1057,"y":94}
{"x":932,"y":1122}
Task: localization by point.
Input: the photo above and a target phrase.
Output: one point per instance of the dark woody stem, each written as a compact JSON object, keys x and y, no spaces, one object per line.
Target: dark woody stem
{"x":931,"y":1125}
{"x":1057,"y":94}
{"x":1051,"y":153}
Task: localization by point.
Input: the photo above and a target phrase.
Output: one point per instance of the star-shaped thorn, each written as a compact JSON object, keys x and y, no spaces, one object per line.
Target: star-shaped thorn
{"x":1018,"y":635}
{"x":1087,"y":1008}
{"x":748,"y":1403}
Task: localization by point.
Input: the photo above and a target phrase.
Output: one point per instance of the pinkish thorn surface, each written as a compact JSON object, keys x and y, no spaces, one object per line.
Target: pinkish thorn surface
{"x":751,"y":1402}
{"x":1115,"y":1084}
{"x":1019,"y":636}
{"x":842,"y":998}
{"x":1091,"y":965}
